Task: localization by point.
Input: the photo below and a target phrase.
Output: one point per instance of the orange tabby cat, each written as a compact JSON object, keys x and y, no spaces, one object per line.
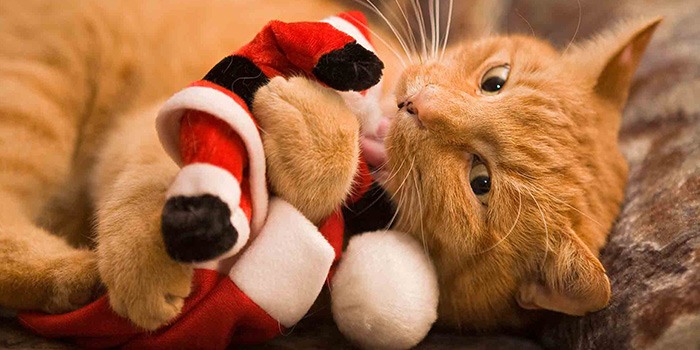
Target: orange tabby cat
{"x":531,"y":130}
{"x":505,"y":164}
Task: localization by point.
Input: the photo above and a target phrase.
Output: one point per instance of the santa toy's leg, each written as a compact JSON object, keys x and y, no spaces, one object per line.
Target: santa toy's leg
{"x":208,"y":207}
{"x":385,"y":292}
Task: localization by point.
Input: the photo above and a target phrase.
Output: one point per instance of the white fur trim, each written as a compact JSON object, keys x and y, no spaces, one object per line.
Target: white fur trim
{"x":349,"y":29}
{"x":285,"y":267}
{"x":199,"y":178}
{"x":366,"y":108}
{"x":240,"y":222}
{"x":385,"y":291}
{"x":220,"y":105}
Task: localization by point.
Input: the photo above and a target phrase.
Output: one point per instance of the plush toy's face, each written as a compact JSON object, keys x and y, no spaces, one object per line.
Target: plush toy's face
{"x":504,"y":163}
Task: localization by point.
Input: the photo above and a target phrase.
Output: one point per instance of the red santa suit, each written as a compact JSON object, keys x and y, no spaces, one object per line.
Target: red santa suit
{"x":260,"y":264}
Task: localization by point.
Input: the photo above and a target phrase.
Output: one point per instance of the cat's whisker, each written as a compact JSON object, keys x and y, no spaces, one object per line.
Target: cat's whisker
{"x":392,"y":175}
{"x":546,"y":231}
{"x":398,"y":189}
{"x":370,"y":5}
{"x":436,"y":15}
{"x":552,"y":197}
{"x":376,"y":35}
{"x":533,"y":184}
{"x":517,"y":12}
{"x":402,"y":196}
{"x":404,"y":24}
{"x":433,"y":26}
{"x":396,"y":172}
{"x":517,"y":218}
{"x":578,"y":26}
{"x":411,"y":36}
{"x":420,"y":207}
{"x":418,"y":12}
{"x":396,"y":213}
{"x":447,"y":29}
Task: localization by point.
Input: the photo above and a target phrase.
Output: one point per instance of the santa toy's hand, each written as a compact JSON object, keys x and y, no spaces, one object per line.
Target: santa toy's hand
{"x":385,"y":292}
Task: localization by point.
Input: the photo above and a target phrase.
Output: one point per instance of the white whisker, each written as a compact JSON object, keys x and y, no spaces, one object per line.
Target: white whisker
{"x":369,"y":4}
{"x":552,"y":197}
{"x":447,"y":29}
{"x":517,"y":218}
{"x":402,"y":197}
{"x":396,"y":213}
{"x":398,"y":189}
{"x":433,"y":30}
{"x":412,"y":37}
{"x":526,"y":21}
{"x":391,"y":176}
{"x":418,"y":12}
{"x":578,"y":25}
{"x":386,"y":44}
{"x":533,"y":183}
{"x":420,"y":207}
{"x":394,"y":173}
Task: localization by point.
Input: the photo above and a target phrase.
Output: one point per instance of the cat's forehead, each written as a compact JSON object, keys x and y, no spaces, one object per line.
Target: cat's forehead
{"x":464,"y":65}
{"x":472,"y":54}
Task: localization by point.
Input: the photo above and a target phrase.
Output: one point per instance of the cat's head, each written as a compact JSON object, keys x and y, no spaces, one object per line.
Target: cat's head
{"x":504,"y":162}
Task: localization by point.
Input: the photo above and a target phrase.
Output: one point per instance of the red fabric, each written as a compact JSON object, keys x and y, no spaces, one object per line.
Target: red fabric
{"x":208,"y":139}
{"x":292,"y":48}
{"x":214,"y":315}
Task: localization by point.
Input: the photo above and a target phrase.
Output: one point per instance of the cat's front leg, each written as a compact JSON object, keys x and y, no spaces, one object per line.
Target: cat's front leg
{"x":144,"y":284}
{"x":311,"y":144}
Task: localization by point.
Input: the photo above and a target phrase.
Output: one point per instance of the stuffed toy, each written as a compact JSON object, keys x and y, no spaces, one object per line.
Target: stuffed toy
{"x":259,"y":263}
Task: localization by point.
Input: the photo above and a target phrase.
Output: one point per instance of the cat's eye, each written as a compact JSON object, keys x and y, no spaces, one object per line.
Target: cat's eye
{"x":492,"y":82}
{"x":480,"y":180}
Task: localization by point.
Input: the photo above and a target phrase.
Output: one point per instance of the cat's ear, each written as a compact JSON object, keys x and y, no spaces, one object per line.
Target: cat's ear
{"x":611,"y":59}
{"x":572,"y":281}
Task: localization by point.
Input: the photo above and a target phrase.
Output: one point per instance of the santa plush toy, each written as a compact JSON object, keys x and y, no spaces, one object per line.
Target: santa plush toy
{"x":260,"y":264}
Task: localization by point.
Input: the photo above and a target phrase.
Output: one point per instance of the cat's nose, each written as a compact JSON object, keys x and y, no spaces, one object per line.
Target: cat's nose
{"x":411,"y":108}
{"x":420,"y":105}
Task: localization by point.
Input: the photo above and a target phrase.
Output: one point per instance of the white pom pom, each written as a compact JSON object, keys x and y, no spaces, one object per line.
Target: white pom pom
{"x":385,"y":292}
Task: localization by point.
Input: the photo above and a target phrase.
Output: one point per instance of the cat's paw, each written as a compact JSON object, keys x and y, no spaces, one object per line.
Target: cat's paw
{"x":75,"y":282}
{"x":150,"y":296}
{"x":151,"y":304}
{"x":311,"y":144}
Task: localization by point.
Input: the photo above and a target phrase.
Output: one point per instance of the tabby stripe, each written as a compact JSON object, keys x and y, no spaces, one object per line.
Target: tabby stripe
{"x":239,"y":75}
